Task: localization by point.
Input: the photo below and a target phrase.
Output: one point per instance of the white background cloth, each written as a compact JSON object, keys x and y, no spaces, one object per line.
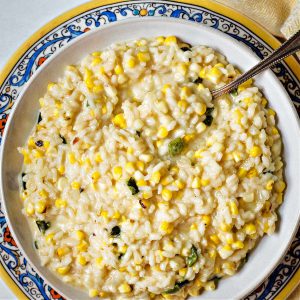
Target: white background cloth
{"x":19,"y":19}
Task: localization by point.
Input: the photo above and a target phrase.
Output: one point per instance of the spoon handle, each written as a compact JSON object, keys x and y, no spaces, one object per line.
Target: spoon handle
{"x":289,"y":47}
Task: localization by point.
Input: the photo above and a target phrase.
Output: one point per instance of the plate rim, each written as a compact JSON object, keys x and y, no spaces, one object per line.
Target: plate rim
{"x":249,"y":24}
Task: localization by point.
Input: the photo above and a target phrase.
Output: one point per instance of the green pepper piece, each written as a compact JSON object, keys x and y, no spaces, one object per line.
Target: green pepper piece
{"x":176,"y":146}
{"x":193,"y":257}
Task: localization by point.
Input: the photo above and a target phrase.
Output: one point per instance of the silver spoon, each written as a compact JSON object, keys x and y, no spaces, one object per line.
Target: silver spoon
{"x":289,"y":47}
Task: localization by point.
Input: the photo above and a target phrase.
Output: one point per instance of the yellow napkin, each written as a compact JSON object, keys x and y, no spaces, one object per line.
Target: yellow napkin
{"x":280,"y":17}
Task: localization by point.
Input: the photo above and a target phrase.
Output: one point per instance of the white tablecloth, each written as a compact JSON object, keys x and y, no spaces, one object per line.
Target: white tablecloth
{"x":19,"y":19}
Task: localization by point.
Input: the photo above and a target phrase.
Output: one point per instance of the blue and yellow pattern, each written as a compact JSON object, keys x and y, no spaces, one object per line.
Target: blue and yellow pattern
{"x":55,"y":35}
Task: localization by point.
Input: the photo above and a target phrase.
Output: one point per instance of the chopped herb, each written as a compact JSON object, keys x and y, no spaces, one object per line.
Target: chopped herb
{"x":198,"y":80}
{"x":193,"y":257}
{"x":131,"y":183}
{"x":138,"y":133}
{"x":267,"y":172}
{"x":234,"y":92}
{"x":177,"y":287}
{"x":115,"y":231}
{"x":176,"y":146}
{"x":120,"y":255}
{"x":39,"y":143}
{"x":36,"y":245}
{"x":23,"y":182}
{"x":40,"y":118}
{"x":215,"y":279}
{"x":63,"y":139}
{"x":209,"y":119}
{"x":244,"y":261}
{"x":43,"y":225}
{"x":87,"y":104}
{"x":81,"y":190}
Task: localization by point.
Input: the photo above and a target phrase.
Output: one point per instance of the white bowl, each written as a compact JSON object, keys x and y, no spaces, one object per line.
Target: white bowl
{"x":21,"y":121}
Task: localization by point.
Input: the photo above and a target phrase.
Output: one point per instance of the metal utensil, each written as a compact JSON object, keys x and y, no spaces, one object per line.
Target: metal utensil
{"x":289,"y":47}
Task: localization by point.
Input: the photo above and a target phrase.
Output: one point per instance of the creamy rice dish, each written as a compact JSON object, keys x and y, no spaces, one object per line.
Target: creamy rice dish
{"x":137,"y":184}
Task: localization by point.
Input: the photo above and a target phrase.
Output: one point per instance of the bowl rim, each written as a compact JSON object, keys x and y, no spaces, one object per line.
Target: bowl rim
{"x":268,"y":270}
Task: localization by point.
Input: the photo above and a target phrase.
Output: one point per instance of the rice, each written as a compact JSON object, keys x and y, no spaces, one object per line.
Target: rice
{"x":137,"y":184}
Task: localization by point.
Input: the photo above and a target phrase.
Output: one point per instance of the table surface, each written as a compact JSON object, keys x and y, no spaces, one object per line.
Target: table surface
{"x":18,"y":21}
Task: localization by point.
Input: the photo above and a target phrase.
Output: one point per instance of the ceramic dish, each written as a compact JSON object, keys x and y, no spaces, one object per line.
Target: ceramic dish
{"x":25,"y":115}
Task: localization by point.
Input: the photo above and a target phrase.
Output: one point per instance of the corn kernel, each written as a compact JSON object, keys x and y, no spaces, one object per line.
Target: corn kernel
{"x":140,"y":165}
{"x":269,"y":185}
{"x":63,"y":251}
{"x":42,"y":102}
{"x":188,"y":137}
{"x":118,"y":69}
{"x":204,"y":182}
{"x":166,"y":87}
{"x":93,"y":293}
{"x":170,"y":40}
{"x":182,"y":68}
{"x":119,"y":120}
{"x":99,"y":261}
{"x":242,"y":172}
{"x":103,"y":294}
{"x":63,"y":270}
{"x":75,"y":185}
{"x":215,"y":239}
{"x":46,"y":144}
{"x":233,"y":208}
{"x":96,"y":53}
{"x":180,"y":184}
{"x":155,"y":178}
{"x":194,"y":226}
{"x":182,"y":272}
{"x":131,"y":62}
{"x":214,"y":74}
{"x":248,"y":100}
{"x":50,"y":86}
{"x":96,"y":61}
{"x":245,"y":85}
{"x":236,"y":156}
{"x":98,"y":158}
{"x":146,"y":195}
{"x":238,"y":115}
{"x":174,"y":170}
{"x":271,"y":112}
{"x":255,"y":151}
{"x":162,"y":132}
{"x":166,"y":194}
{"x":225,"y":227}
{"x":160,"y":39}
{"x":104,"y":109}
{"x":279,"y":198}
{"x":264,"y":102}
{"x":198,"y":153}
{"x":141,"y":182}
{"x":250,"y":229}
{"x":31,"y":142}
{"x":49,"y":238}
{"x":279,"y":186}
{"x":104,"y":214}
{"x":97,"y":88}
{"x":226,"y":248}
{"x":129,"y":167}
{"x":40,"y":206}
{"x":212,"y":253}
{"x":71,"y":157}
{"x":196,"y":183}
{"x":143,"y":56}
{"x":37,"y":153}
{"x":123,"y":249}
{"x":202,"y":109}
{"x":130,"y":150}
{"x":182,"y":104}
{"x":252,"y":173}
{"x":124,"y":288}
{"x":116,"y":215}
{"x":81,"y":260}
{"x":206,"y":219}
{"x":166,"y":227}
{"x":80,"y":235}
{"x":82,"y":246}
{"x":238,"y":245}
{"x":59,"y":203}
{"x":29,"y":210}
{"x":117,"y":172}
{"x":61,"y":169}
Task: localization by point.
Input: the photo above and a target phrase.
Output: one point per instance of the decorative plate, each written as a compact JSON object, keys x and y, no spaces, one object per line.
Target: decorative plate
{"x":14,"y":268}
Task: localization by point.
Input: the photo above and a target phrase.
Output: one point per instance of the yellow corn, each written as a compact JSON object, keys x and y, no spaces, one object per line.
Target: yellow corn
{"x":250,"y":229}
{"x":206,"y":219}
{"x":130,"y":150}
{"x":194,"y":226}
{"x":116,"y":215}
{"x":104,"y":214}
{"x":198,"y":153}
{"x":162,"y":132}
{"x":204,"y":182}
{"x":49,"y":238}
{"x":252,"y":173}
{"x":81,"y":260}
{"x":146,"y":195}
{"x":214,"y":74}
{"x":269,"y":185}
{"x":215,"y":239}
{"x":75,"y":185}
{"x":119,"y":120}
{"x":248,"y":100}
{"x":233,"y":208}
{"x":93,"y":293}
{"x":143,"y":56}
{"x":182,"y":68}
{"x":31,"y":142}
{"x":182,"y":272}
{"x":238,"y":245}
{"x":180,"y":184}
{"x":271,"y":112}
{"x":82,"y":246}
{"x":245,"y":85}
{"x":97,"y":88}
{"x":96,"y":175}
{"x":124,"y":288}
{"x":29,"y":210}
{"x":96,"y":61}
{"x":123,"y":249}
{"x":40,"y":206}
{"x":238,"y":115}
{"x":61,"y":169}
{"x":279,"y":198}
{"x":225,"y":227}
{"x":129,"y":167}
{"x":141,"y":182}
{"x":37,"y":153}
{"x":166,"y":194}
{"x":140,"y":165}
{"x":174,"y":170}
{"x":279,"y":186}
{"x":242,"y":172}
{"x":202,"y":109}
{"x":98,"y":158}
{"x":71,"y":157}
{"x":166,"y":227}
{"x":188,"y":137}
{"x":196,"y":183}
{"x":160,"y":39}
{"x":131,"y":62}
{"x":155,"y":178}
{"x":170,"y":40}
{"x":255,"y":151}
{"x":117,"y":172}
{"x":63,"y":270}
{"x":42,"y":102}
{"x":96,"y":53}
{"x":264,"y":102}
{"x":80,"y":235}
{"x":99,"y":261}
{"x":118,"y":69}
{"x":59,"y":203}
{"x":166,"y":87}
{"x":50,"y":86}
{"x":104,"y":109}
{"x":63,"y":251}
{"x":182,"y":104}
